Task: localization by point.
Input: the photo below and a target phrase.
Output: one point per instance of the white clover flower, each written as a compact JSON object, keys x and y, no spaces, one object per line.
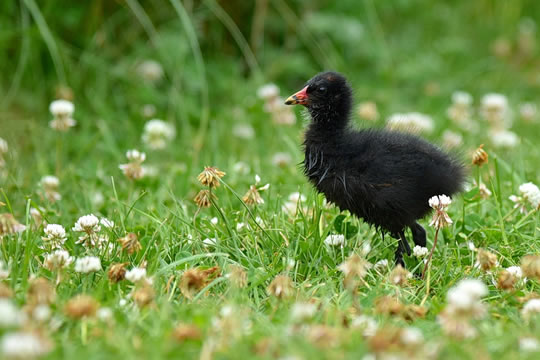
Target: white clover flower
{"x":494,"y":101}
{"x":62,"y":110}
{"x":243,"y":131}
{"x":529,"y":194}
{"x":268,"y":91}
{"x":281,"y":159}
{"x":23,"y":345}
{"x":134,"y":170}
{"x":440,"y":203}
{"x":87,"y":264}
{"x":136,"y":156}
{"x":104,"y":314}
{"x":460,"y":111}
{"x":109,"y":224}
{"x":531,"y":308}
{"x":466,"y":294}
{"x":504,"y":138}
{"x":10,"y":315}
{"x":302,"y":311}
{"x":50,"y":185}
{"x":136,"y":274}
{"x":412,"y":336}
{"x":484,"y":191}
{"x":55,"y":235}
{"x":88,"y":224}
{"x":494,"y":108}
{"x":335,"y":240}
{"x":516,"y":271}
{"x":529,"y":344}
{"x":451,"y":139}
{"x":367,"y":324}
{"x":411,"y":122}
{"x":420,"y":251}
{"x":150,"y":70}
{"x":381,"y":265}
{"x":214,"y":221}
{"x":41,"y":313}
{"x":50,"y":182}
{"x":462,"y":98}
{"x":157,"y":134}
{"x":59,"y":259}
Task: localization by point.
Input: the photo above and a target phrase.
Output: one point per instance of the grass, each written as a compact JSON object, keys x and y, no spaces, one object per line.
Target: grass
{"x":404,"y":55}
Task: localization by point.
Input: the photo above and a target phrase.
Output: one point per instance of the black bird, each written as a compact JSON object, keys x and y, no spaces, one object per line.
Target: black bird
{"x":384,"y":177}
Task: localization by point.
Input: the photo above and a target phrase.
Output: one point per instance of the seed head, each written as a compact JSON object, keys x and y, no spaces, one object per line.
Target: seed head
{"x":81,"y":306}
{"x":237,"y":275}
{"x":252,"y":197}
{"x":210,"y":176}
{"x":130,"y":243}
{"x":530,"y":264}
{"x":204,"y":198}
{"x":388,"y":305}
{"x":195,"y":279}
{"x":183,"y":332}
{"x":281,"y":287}
{"x":355,"y":268}
{"x":506,"y":280}
{"x":143,"y":295}
{"x":40,"y":291}
{"x":5,"y":291}
{"x":486,"y":259}
{"x":117,"y":272}
{"x":400,"y":276}
{"x":480,"y":156}
{"x":9,"y":225}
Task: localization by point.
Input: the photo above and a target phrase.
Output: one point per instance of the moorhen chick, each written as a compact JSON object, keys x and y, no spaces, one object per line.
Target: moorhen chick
{"x":384,"y":177}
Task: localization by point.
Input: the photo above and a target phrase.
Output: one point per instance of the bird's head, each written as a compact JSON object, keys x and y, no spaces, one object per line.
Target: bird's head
{"x":327,"y":96}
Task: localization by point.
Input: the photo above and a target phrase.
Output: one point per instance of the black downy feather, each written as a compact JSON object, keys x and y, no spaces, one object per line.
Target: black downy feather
{"x":384,"y":177}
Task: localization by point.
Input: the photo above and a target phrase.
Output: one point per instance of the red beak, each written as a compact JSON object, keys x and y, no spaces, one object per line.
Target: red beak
{"x":300,"y":98}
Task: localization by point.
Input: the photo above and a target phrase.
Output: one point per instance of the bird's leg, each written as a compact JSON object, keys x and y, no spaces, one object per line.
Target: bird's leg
{"x":404,"y":243}
{"x":403,"y":247}
{"x":418,"y":234}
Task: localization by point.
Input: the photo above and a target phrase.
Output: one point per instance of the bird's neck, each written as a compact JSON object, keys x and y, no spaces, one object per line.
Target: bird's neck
{"x":327,"y":123}
{"x":333,"y":117}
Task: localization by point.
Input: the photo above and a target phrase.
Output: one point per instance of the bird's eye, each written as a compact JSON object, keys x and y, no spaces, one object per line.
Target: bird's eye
{"x":322,"y":89}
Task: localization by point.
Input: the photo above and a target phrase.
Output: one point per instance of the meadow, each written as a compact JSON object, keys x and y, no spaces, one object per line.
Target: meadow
{"x":153,"y":205}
